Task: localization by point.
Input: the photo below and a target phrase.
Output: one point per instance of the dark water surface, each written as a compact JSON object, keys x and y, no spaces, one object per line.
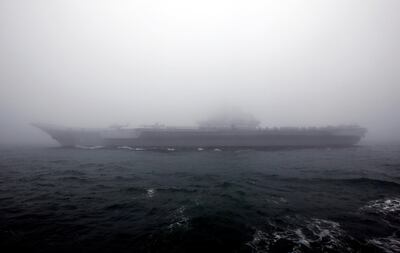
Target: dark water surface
{"x":310,"y":200}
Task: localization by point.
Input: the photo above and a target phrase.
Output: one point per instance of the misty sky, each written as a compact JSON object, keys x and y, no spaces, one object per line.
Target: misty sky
{"x":93,"y":63}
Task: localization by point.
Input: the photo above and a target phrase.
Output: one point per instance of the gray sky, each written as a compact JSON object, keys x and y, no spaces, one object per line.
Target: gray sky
{"x":93,"y":63}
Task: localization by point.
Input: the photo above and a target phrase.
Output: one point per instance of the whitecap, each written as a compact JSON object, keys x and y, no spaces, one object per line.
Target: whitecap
{"x":88,"y":147}
{"x":383,"y":206}
{"x":125,"y":147}
{"x":389,"y":244}
{"x":316,"y":234}
{"x":276,"y":200}
{"x":180,"y":220}
{"x":150,"y":192}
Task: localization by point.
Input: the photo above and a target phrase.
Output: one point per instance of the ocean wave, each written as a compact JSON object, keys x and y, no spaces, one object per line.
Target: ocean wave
{"x":125,"y":147}
{"x":45,"y":184}
{"x":389,"y":244}
{"x":276,"y":200}
{"x":315,"y":234}
{"x":179,"y":219}
{"x":90,"y":165}
{"x":383,"y":206}
{"x":176,"y":190}
{"x":133,"y":189}
{"x":73,"y":178}
{"x":361,"y":181}
{"x":392,"y":165}
{"x":60,"y":161}
{"x":117,"y":206}
{"x":150,"y":192}
{"x":226,"y":185}
{"x":72,"y":172}
{"x":88,"y":147}
{"x":257,"y":178}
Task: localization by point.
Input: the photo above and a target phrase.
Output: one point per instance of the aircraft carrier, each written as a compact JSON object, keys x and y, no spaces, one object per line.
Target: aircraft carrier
{"x":212,"y":133}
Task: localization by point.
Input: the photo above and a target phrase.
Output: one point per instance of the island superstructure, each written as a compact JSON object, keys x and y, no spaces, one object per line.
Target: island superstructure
{"x":212,"y":133}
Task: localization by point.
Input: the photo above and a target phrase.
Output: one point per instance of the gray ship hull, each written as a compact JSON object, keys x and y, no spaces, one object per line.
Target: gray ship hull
{"x":209,"y":138}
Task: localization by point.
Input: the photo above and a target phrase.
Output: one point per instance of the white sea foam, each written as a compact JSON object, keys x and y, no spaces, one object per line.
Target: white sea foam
{"x":389,"y":244}
{"x":217,"y":149}
{"x":88,"y":147}
{"x":150,"y":192}
{"x":383,"y":206}
{"x":318,"y":234}
{"x":277,"y":200}
{"x":179,"y":218}
{"x":170,"y":149}
{"x":125,"y":147}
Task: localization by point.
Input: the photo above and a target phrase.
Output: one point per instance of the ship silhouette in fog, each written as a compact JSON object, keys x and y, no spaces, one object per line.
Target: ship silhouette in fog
{"x":241,"y":131}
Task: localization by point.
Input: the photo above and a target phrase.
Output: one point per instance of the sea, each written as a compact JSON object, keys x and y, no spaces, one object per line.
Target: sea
{"x":211,"y":200}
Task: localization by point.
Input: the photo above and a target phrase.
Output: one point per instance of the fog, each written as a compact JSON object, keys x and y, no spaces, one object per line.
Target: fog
{"x":94,"y":63}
